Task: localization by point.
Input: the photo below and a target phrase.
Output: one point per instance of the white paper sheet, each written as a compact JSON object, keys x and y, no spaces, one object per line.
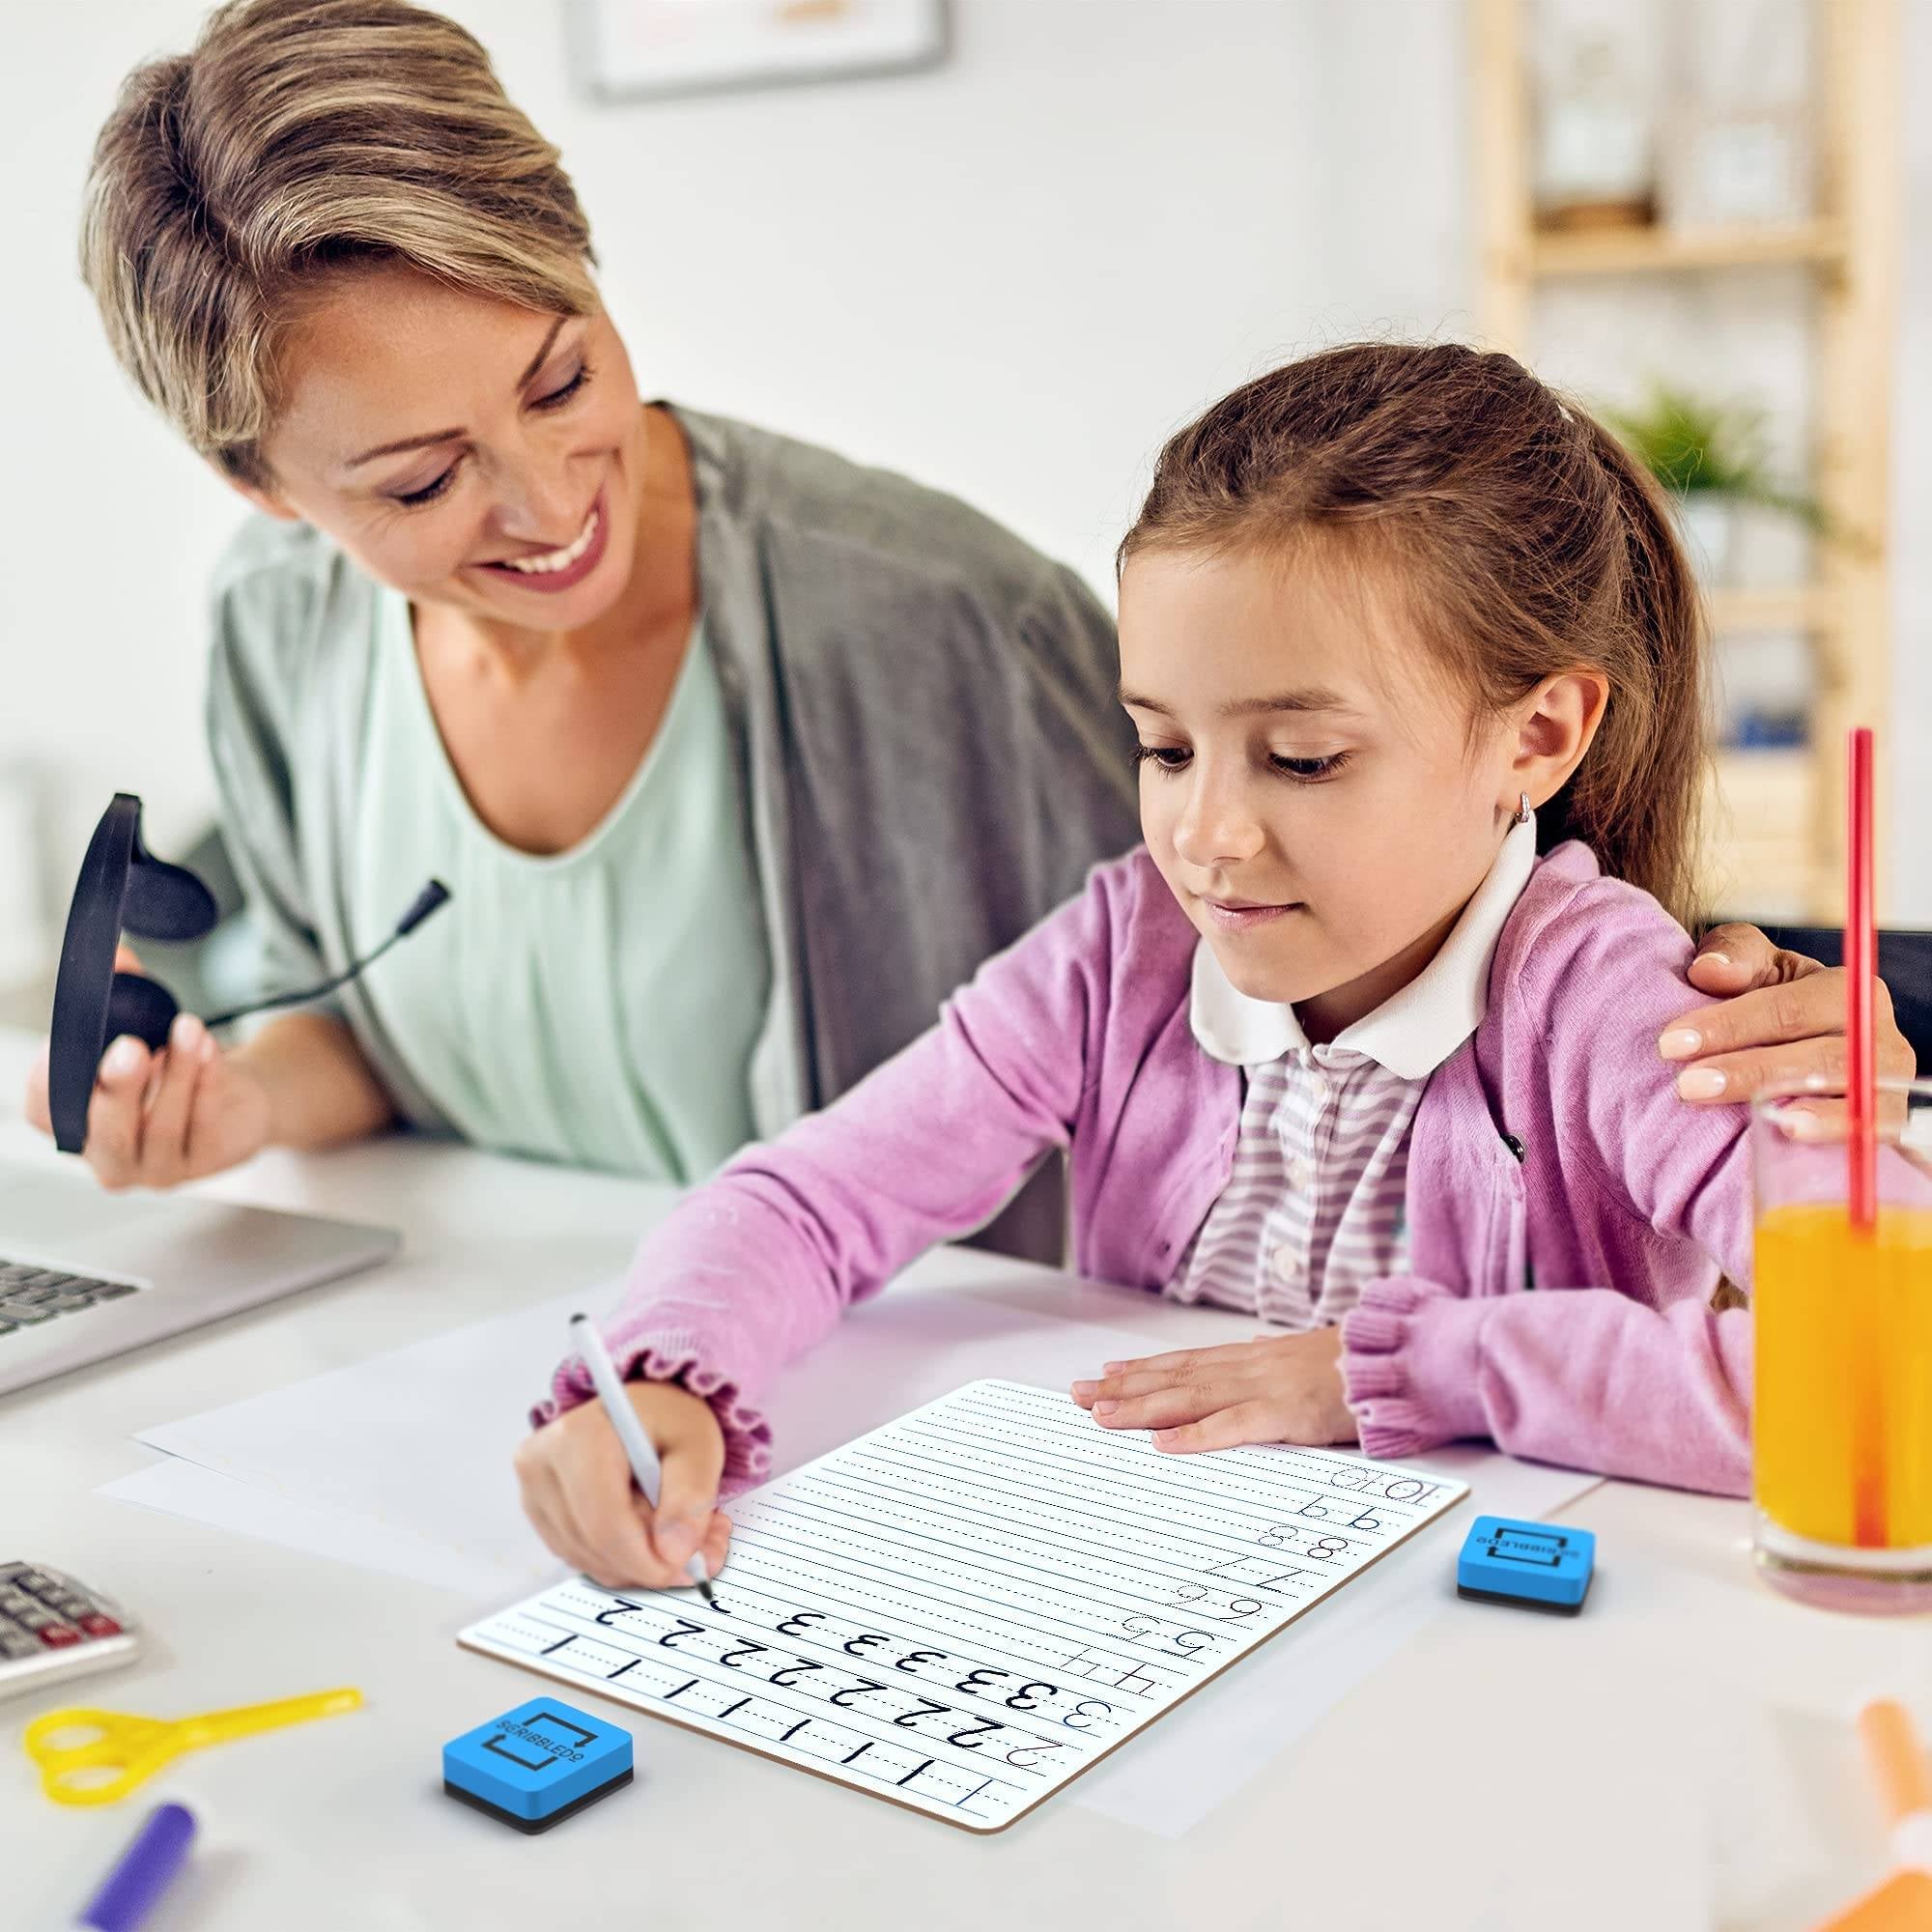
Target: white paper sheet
{"x":967,"y":1608}
{"x":183,"y":1489}
{"x":451,"y":1409}
{"x":313,"y":1466}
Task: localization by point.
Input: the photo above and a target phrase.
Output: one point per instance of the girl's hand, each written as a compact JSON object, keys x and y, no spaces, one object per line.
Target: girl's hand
{"x":159,"y":1118}
{"x":577,"y":1489}
{"x":1277,"y":1388}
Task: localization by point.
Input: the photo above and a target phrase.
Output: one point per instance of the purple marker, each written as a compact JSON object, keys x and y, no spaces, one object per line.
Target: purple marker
{"x":145,"y":1870}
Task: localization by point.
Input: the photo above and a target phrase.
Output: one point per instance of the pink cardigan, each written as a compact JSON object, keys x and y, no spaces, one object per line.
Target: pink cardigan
{"x":1558,"y":1300}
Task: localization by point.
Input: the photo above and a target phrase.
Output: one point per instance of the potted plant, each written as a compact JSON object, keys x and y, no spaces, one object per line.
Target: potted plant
{"x":1711,"y":459}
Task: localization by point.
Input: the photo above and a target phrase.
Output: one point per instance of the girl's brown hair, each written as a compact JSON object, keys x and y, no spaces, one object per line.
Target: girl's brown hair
{"x":1526,"y":540}
{"x":298,"y":136}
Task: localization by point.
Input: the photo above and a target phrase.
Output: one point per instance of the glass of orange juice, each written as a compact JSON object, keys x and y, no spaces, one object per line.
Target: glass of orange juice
{"x":1841,"y":1418}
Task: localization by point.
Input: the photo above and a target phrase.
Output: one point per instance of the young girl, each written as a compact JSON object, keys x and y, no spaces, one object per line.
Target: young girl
{"x":1362,"y":1041}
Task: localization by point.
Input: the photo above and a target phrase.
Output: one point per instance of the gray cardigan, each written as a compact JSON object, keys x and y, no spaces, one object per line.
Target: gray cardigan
{"x":923,"y":717}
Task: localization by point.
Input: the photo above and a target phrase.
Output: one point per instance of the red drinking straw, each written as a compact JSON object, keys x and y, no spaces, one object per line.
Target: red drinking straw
{"x":1860,"y":969}
{"x":1868,"y":1500}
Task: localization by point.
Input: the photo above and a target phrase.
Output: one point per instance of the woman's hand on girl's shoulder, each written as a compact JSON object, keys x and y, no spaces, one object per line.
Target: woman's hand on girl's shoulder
{"x":1277,"y":1388}
{"x":1780,"y":1021}
{"x":577,"y":1490}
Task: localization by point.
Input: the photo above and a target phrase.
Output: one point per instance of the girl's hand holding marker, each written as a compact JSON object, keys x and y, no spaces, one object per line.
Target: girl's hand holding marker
{"x":576,"y":1477}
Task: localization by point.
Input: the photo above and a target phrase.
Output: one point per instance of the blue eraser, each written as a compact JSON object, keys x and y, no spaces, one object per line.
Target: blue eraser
{"x":1541,"y":1565}
{"x":534,"y":1766}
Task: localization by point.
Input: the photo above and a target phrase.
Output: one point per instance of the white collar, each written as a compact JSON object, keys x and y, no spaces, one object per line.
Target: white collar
{"x":1414,"y":1031}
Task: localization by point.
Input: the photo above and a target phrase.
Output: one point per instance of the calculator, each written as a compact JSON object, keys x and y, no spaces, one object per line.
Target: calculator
{"x":53,"y":1628}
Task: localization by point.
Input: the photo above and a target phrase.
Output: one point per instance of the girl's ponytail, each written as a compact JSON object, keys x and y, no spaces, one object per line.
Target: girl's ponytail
{"x":1635,"y":800}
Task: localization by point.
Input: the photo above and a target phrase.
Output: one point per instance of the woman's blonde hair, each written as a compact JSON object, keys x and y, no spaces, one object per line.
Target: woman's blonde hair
{"x":299,"y":136}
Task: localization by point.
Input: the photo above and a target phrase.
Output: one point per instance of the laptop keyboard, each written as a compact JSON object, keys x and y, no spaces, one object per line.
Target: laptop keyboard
{"x":31,"y":1294}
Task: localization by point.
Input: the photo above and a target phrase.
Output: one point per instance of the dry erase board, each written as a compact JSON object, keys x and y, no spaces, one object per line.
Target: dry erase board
{"x":965,"y":1610}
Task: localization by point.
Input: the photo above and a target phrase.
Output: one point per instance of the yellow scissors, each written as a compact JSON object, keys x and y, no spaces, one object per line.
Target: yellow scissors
{"x":114,"y":1751}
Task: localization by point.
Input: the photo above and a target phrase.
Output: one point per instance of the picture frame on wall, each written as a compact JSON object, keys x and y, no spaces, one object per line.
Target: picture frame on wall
{"x":656,"y":50}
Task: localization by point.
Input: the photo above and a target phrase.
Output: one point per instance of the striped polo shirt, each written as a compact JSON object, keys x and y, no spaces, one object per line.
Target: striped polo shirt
{"x":1314,"y":1209}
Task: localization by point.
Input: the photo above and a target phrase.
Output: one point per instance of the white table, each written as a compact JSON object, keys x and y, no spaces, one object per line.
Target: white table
{"x":1678,"y":1756}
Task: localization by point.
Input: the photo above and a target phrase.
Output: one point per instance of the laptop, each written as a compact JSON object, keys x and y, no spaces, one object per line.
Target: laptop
{"x":85,"y":1274}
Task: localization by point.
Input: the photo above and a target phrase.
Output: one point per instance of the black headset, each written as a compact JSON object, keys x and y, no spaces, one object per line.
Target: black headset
{"x":124,"y":887}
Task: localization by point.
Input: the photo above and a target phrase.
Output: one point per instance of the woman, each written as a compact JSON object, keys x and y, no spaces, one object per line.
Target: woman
{"x":693,"y":721}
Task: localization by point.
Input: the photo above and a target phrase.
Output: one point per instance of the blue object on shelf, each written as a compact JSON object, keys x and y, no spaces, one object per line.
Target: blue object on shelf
{"x":1538,"y":1566}
{"x":534,"y":1766}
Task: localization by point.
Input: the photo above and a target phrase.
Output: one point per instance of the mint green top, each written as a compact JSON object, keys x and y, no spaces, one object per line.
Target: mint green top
{"x":597,"y":1005}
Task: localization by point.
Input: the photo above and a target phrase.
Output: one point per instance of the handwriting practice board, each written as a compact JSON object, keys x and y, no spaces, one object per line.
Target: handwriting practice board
{"x":965,"y":1610}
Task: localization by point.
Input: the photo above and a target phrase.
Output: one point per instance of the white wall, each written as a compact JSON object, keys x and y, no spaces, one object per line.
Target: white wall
{"x":1010,"y":276}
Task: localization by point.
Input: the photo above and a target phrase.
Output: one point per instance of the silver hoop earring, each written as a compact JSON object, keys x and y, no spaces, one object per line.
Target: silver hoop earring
{"x":1523,"y":807}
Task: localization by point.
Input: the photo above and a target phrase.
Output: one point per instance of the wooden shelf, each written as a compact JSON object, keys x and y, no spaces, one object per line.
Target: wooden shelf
{"x":1798,"y":607}
{"x":1623,"y":251}
{"x":1774,"y":836}
{"x":1785,"y":775}
{"x":1760,"y":814}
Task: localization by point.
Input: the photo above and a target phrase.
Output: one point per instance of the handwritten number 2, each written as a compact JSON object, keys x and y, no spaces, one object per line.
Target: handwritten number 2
{"x":684,"y":1629}
{"x":906,"y":1719}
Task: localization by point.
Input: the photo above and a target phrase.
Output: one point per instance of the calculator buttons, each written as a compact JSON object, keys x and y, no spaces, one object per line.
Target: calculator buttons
{"x":52,"y":1627}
